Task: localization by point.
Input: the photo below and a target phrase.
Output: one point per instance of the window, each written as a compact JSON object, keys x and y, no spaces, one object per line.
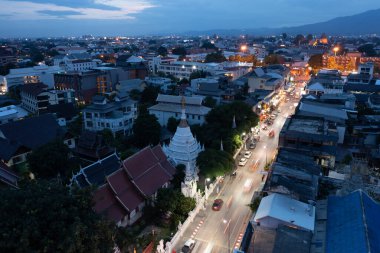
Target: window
{"x":89,"y":124}
{"x":88,"y":115}
{"x":199,"y":117}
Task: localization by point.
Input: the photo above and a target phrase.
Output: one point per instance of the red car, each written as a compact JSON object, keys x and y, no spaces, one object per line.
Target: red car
{"x":218,"y":203}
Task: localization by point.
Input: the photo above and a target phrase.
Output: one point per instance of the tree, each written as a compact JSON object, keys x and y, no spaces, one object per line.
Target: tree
{"x":315,"y":61}
{"x":146,"y":130}
{"x":274,"y":59}
{"x":179,"y":51}
{"x":198,"y":74}
{"x":309,"y":37}
{"x":208,"y":45}
{"x":299,"y":39}
{"x":45,"y":216}
{"x":149,"y":95}
{"x":209,"y":102}
{"x":135,"y":94}
{"x":213,"y":163}
{"x":368,"y":50}
{"x":179,"y":176}
{"x":75,"y":127}
{"x":172,"y":124}
{"x":215,"y":57}
{"x":162,"y":51}
{"x":284,"y":36}
{"x":50,"y":160}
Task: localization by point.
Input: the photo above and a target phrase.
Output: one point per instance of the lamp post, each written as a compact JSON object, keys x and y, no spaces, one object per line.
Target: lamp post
{"x":266,"y":160}
{"x":227,"y":228}
{"x":335,"y":49}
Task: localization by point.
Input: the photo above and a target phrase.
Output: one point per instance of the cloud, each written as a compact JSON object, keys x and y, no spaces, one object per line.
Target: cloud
{"x":70,"y":9}
{"x":59,"y":13}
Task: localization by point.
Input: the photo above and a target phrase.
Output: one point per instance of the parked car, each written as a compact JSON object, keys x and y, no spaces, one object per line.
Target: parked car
{"x":247,"y":154}
{"x":243,"y":161}
{"x":252,"y":145}
{"x":264,"y":127}
{"x":189,"y":246}
{"x":218,"y":203}
{"x":234,"y":173}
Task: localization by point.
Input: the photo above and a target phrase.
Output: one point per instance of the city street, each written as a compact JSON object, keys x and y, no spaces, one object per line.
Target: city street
{"x":216,"y":231}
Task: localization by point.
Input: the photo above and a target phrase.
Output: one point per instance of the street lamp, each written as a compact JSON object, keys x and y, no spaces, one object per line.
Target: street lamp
{"x":227,"y":228}
{"x":266,"y":160}
{"x":335,"y":49}
{"x":243,"y":48}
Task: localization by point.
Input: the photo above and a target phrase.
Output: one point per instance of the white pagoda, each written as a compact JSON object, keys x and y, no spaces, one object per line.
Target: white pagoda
{"x":184,"y":149}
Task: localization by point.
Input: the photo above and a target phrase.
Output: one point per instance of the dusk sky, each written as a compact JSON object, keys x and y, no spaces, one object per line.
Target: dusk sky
{"x":144,"y":17}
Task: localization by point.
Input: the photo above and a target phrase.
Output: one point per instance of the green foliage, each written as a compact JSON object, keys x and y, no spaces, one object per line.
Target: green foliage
{"x":368,"y":50}
{"x":315,"y":61}
{"x":254,"y":205}
{"x":162,"y":51}
{"x":172,"y":201}
{"x":45,"y":217}
{"x":274,"y":59}
{"x":179,"y":51}
{"x":146,"y":130}
{"x":213,"y":163}
{"x":219,"y":125}
{"x":172,"y":124}
{"x":215,"y":57}
{"x":135,"y":94}
{"x":209,"y":102}
{"x":347,"y":159}
{"x":178,"y":176}
{"x":149,"y":95}
{"x":75,"y":127}
{"x":208,"y":45}
{"x":50,"y":160}
{"x":198,"y":74}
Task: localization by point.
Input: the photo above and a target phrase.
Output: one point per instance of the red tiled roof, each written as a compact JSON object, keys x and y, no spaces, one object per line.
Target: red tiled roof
{"x":124,"y":190}
{"x":106,"y":203}
{"x":149,"y":169}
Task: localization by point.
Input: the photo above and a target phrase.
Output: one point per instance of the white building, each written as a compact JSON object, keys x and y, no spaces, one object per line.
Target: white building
{"x":11,"y":113}
{"x":35,"y":98}
{"x":182,"y":69}
{"x":117,"y":115}
{"x":184,"y":149}
{"x":36,"y":74}
{"x":277,"y":209}
{"x":76,"y":62}
{"x":170,"y":106}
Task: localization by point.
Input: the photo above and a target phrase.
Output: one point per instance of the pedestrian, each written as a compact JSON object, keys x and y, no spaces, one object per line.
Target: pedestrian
{"x":262,"y":178}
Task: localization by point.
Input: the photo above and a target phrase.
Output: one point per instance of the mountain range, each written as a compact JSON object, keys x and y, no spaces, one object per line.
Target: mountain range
{"x":359,"y":24}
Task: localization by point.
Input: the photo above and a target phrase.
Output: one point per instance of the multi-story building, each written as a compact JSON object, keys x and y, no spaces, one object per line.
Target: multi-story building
{"x":6,"y":56}
{"x":37,"y":97}
{"x":313,"y":135}
{"x":170,"y":106}
{"x":327,"y":81}
{"x":87,"y":83}
{"x":36,"y":74}
{"x":182,"y":69}
{"x":11,"y":113}
{"x":76,"y":62}
{"x":117,"y":115}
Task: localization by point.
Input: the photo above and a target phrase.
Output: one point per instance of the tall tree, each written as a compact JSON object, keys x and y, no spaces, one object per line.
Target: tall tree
{"x":146,"y":130}
{"x":179,"y":51}
{"x":50,"y":160}
{"x":162,"y":51}
{"x":315,"y":61}
{"x":45,"y":216}
{"x":215,"y":57}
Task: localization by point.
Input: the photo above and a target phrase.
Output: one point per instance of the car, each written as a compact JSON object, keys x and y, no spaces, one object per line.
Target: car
{"x":279,"y":110}
{"x":243,"y":161}
{"x":247,"y":154}
{"x":252,"y":145}
{"x":218,"y":203}
{"x":271,"y":133}
{"x":264,"y":127}
{"x":189,"y":246}
{"x":247,"y":185}
{"x":234,"y":173}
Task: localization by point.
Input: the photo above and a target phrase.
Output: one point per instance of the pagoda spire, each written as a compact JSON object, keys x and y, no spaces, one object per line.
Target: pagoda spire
{"x":221,"y":145}
{"x":183,"y":122}
{"x":233,"y":123}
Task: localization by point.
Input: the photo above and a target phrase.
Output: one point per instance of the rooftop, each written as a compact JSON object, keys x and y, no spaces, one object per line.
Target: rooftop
{"x":310,"y":126}
{"x":287,"y":210}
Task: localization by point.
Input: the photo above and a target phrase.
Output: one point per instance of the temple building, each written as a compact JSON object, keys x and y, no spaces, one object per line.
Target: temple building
{"x":184,"y":149}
